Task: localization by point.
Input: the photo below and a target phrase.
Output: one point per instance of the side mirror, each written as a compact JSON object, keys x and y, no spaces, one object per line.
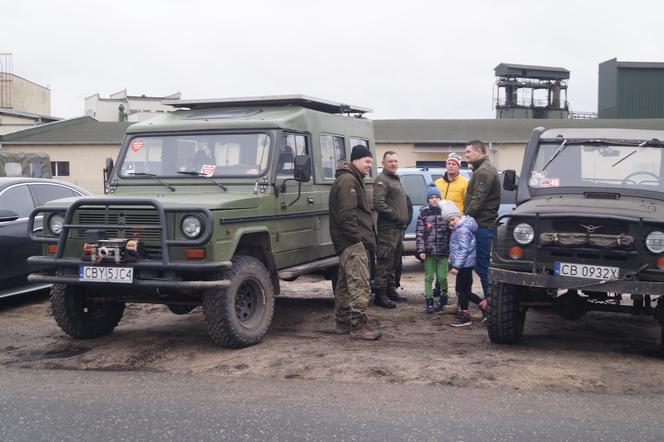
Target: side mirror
{"x":509,"y":180}
{"x":108,"y":169}
{"x":302,"y":172}
{"x":8,"y":215}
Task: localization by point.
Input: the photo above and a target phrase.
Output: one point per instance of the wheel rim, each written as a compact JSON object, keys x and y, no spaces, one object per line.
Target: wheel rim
{"x":249,"y":303}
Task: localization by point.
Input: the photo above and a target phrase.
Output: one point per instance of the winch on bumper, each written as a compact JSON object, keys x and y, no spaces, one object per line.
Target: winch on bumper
{"x":124,"y":261}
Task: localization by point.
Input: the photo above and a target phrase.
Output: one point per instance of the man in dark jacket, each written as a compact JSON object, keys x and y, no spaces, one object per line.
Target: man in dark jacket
{"x":352,"y":233}
{"x":481,"y":202}
{"x":389,"y":201}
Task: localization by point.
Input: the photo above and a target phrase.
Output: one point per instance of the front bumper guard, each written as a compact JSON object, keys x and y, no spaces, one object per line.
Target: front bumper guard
{"x":164,"y":264}
{"x":622,"y":286}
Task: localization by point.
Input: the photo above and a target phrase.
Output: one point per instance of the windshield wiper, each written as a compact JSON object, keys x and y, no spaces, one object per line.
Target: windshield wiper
{"x":638,"y":149}
{"x":194,"y":173}
{"x":557,"y":152}
{"x":154,"y":177}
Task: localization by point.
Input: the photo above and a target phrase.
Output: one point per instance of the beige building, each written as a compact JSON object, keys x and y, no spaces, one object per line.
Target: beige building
{"x":23,"y":104}
{"x":429,"y":142}
{"x":78,"y":148}
{"x":123,"y":107}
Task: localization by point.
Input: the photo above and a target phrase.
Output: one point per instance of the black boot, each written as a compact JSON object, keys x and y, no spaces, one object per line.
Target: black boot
{"x":381,"y":299}
{"x":442,"y":302}
{"x":429,"y":307}
{"x":393,"y":295}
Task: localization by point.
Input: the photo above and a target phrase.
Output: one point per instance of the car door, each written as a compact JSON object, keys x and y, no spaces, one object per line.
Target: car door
{"x":14,"y":242}
{"x":297,"y":211}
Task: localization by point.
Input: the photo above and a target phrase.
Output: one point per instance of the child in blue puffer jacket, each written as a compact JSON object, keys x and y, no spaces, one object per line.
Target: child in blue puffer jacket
{"x":462,"y":260}
{"x":432,"y":237}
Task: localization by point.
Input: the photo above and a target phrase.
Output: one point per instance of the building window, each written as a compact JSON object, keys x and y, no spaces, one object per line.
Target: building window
{"x":60,"y":168}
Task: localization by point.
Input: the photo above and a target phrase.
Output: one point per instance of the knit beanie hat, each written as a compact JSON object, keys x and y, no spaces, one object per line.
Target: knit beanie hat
{"x":359,"y":151}
{"x":432,"y":190}
{"x":454,"y":158}
{"x":448,"y":209}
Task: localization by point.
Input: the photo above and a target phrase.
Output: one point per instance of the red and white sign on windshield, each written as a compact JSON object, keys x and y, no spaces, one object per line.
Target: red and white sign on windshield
{"x":137,"y":145}
{"x":208,"y":169}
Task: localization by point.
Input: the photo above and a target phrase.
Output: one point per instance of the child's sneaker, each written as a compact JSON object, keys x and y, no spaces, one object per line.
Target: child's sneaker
{"x":463,"y":320}
{"x":482,"y":306}
{"x":429,"y":307}
{"x":442,"y":302}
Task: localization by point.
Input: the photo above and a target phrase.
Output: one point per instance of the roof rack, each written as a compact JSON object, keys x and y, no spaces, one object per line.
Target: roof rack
{"x":318,"y":104}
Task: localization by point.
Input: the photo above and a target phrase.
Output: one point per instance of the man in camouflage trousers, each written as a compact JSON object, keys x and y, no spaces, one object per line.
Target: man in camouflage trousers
{"x":390,"y":203}
{"x":352,"y":233}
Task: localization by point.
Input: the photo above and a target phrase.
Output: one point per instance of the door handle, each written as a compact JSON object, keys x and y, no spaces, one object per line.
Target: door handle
{"x":311,"y":200}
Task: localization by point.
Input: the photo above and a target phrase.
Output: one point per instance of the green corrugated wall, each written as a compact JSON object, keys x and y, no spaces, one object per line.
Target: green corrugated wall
{"x":640,"y":93}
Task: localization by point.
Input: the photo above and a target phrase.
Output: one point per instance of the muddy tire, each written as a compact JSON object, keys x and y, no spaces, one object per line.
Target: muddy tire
{"x":80,"y":317}
{"x":239,"y":316}
{"x":505,"y":325}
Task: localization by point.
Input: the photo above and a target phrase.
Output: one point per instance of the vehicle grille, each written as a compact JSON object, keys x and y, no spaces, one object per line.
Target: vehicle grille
{"x":151,"y":238}
{"x":606,"y":227}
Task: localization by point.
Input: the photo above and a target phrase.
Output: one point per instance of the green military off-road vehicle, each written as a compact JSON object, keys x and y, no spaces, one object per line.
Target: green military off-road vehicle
{"x":588,"y":231}
{"x":209,"y":205}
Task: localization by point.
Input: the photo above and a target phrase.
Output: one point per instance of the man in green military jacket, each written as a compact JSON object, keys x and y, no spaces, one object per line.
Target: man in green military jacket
{"x":390,"y":203}
{"x":352,"y":233}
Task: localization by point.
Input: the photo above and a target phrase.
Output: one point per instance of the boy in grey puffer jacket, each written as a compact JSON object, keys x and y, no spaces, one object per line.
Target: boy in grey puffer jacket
{"x":432,"y":237}
{"x":463,"y":260}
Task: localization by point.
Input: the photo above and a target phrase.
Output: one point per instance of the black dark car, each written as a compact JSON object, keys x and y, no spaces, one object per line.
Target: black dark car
{"x":18,"y":197}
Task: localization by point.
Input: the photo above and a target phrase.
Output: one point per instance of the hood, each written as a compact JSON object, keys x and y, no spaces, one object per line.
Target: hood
{"x":216,"y":200}
{"x":646,"y":208}
{"x":469,"y":223}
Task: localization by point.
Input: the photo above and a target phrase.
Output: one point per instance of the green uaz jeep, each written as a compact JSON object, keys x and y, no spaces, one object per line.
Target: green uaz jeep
{"x":209,"y":205}
{"x":588,"y":231}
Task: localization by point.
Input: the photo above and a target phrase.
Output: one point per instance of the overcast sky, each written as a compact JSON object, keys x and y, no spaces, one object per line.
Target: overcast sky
{"x":404,"y":59}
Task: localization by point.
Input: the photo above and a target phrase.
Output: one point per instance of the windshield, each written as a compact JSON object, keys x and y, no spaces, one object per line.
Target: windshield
{"x":213,"y":155}
{"x":597,"y":165}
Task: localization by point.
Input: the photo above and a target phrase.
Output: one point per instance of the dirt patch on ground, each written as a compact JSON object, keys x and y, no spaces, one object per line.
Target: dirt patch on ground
{"x":602,"y":352}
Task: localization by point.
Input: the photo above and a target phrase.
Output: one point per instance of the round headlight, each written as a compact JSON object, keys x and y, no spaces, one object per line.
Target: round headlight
{"x":655,"y":241}
{"x":191,"y":226}
{"x":524,"y":233}
{"x":55,"y":223}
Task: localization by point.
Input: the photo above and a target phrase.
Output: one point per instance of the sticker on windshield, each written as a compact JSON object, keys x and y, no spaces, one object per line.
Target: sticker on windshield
{"x":252,"y":172}
{"x":208,"y":169}
{"x":137,"y":145}
{"x":539,"y":179}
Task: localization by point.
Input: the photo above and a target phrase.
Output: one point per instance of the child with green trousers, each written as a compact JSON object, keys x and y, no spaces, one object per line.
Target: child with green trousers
{"x":432,"y":238}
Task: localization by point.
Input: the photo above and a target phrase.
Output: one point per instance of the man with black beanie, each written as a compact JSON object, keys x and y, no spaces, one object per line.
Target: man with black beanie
{"x":352,"y":233}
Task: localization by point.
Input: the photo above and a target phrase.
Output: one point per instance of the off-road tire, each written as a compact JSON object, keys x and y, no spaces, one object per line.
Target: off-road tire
{"x":505,"y":325}
{"x":80,"y":317}
{"x":239,"y":316}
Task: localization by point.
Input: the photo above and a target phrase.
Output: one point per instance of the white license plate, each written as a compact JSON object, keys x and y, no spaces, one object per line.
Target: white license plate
{"x":586,"y":271}
{"x":122,"y":275}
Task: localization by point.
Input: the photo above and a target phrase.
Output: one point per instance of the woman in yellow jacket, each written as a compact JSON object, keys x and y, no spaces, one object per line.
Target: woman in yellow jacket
{"x":453,"y":185}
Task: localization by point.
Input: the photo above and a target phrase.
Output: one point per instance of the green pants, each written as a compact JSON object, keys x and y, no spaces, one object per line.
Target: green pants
{"x":351,"y":296}
{"x":389,"y":256}
{"x":434,"y":265}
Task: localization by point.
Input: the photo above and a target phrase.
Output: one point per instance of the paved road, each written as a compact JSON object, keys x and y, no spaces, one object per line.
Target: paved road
{"x":118,"y":406}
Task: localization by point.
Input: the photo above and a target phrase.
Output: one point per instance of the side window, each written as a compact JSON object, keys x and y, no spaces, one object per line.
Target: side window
{"x":296,"y":144}
{"x":333,"y":153}
{"x":49,"y":192}
{"x":416,"y":188}
{"x":17,"y":199}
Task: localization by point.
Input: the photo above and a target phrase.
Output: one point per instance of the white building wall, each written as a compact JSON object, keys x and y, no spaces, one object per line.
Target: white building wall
{"x":138,"y":108}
